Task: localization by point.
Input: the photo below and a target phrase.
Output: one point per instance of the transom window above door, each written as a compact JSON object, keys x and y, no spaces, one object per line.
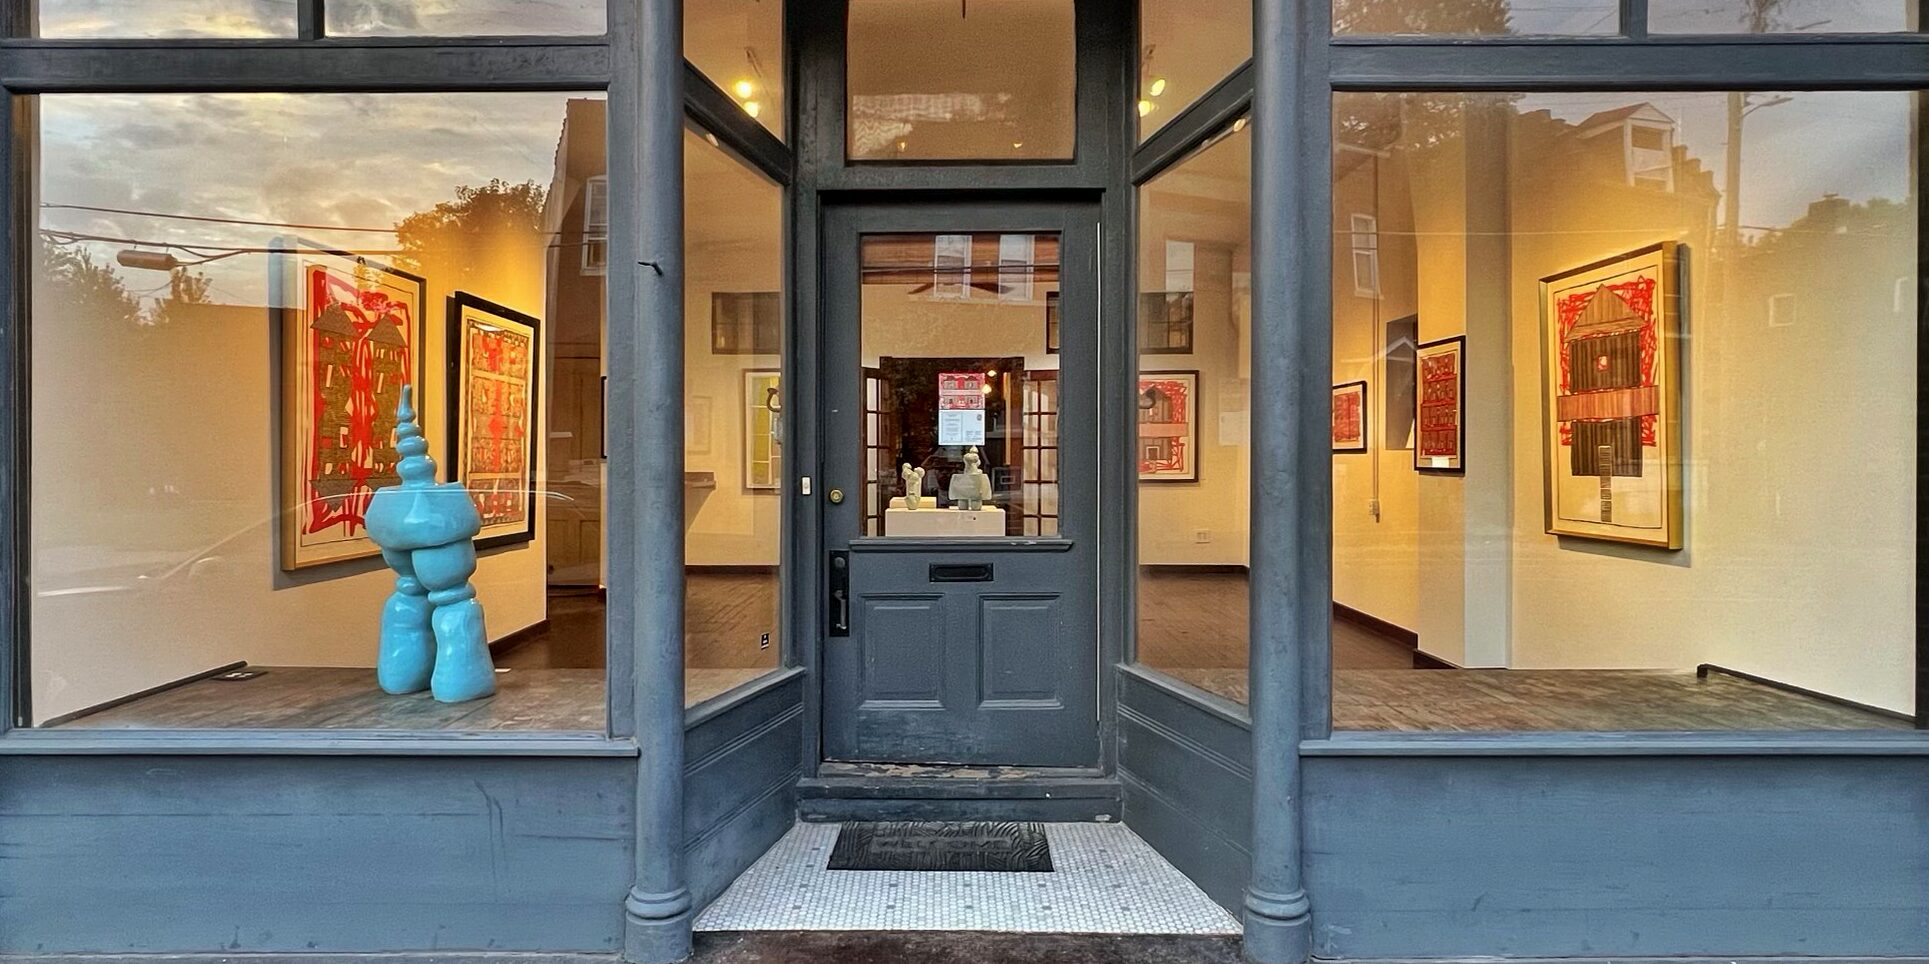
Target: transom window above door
{"x":943,"y":80}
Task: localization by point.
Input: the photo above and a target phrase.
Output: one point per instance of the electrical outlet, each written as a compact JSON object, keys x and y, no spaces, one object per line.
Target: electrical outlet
{"x":1201,"y":536}
{"x":1373,"y":506}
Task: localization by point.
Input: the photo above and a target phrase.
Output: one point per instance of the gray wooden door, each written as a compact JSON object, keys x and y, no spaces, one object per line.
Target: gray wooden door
{"x":954,"y":635}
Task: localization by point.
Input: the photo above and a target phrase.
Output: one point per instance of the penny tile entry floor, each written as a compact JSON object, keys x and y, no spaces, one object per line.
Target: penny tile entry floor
{"x":1106,"y":881}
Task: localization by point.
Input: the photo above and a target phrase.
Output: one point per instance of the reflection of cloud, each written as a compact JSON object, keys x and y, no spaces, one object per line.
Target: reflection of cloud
{"x":346,"y":160}
{"x":167,"y":18}
{"x":465,"y":17}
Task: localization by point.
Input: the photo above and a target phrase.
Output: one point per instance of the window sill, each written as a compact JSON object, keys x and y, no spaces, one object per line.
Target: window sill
{"x":1623,"y":744}
{"x":310,"y":743}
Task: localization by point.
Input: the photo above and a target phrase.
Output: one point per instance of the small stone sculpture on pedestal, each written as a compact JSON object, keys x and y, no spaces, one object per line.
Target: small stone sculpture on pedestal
{"x":432,"y":632}
{"x":913,"y":486}
{"x":970,"y":486}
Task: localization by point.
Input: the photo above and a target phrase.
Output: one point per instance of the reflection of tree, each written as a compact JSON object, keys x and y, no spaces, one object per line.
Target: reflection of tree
{"x":184,"y":289}
{"x":459,"y":241}
{"x":82,"y":288}
{"x":1383,"y":121}
{"x":1422,"y":16}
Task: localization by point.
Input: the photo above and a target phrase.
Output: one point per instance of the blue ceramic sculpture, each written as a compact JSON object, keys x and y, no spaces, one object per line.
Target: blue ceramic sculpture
{"x":432,"y":633}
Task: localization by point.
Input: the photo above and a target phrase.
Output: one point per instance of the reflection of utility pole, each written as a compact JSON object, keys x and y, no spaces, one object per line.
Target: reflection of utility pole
{"x":1740,"y":105}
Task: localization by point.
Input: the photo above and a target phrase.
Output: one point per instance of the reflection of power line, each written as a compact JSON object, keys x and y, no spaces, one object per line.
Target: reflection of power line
{"x":213,"y":220}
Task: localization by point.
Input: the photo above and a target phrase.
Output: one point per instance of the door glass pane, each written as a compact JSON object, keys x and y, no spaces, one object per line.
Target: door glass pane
{"x":960,"y":395}
{"x":943,"y":80}
{"x":143,"y":19}
{"x":1186,"y":47}
{"x":739,"y":45}
{"x":464,"y":18}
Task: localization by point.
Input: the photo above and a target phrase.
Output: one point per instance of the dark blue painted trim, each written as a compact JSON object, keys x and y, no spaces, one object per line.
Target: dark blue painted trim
{"x":1897,"y":744}
{"x":739,"y":786}
{"x":1134,"y":674}
{"x":376,"y":743}
{"x":729,"y":700}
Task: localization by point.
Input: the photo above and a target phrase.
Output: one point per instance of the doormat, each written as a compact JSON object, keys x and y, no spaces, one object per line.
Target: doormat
{"x":997,"y":847}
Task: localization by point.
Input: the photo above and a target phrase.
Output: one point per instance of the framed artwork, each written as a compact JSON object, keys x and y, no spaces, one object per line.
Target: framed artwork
{"x":763,"y":430}
{"x":351,"y":338}
{"x":1440,"y":405}
{"x":1051,"y":322}
{"x":1349,"y":417}
{"x":1168,"y":426}
{"x":1610,"y":356}
{"x":495,"y":357}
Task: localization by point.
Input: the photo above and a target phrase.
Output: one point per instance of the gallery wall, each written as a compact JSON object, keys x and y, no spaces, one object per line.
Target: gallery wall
{"x":1799,"y":428}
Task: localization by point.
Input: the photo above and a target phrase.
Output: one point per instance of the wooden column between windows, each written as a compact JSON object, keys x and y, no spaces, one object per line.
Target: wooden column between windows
{"x":646,"y":464}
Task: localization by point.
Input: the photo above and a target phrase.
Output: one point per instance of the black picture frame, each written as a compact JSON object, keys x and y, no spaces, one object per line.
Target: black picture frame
{"x":1459,"y":342}
{"x":1366,"y":419}
{"x":456,"y":360}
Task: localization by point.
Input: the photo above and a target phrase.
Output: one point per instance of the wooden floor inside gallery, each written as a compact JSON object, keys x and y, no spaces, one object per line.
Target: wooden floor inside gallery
{"x":1192,"y":627}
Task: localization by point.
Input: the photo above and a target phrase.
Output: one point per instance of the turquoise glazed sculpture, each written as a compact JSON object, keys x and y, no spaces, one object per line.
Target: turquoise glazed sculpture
{"x":432,"y":633}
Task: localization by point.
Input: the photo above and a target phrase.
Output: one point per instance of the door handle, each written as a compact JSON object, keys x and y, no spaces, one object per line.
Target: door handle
{"x":840,"y":591}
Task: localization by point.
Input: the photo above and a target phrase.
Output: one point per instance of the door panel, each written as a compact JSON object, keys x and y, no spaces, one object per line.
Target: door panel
{"x":954,"y":332}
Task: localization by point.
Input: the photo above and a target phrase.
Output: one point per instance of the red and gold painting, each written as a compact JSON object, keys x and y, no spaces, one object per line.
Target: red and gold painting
{"x":1349,"y":417}
{"x":1610,"y":346}
{"x":1168,"y":426}
{"x":1440,"y":405}
{"x":497,"y":355}
{"x":351,"y":338}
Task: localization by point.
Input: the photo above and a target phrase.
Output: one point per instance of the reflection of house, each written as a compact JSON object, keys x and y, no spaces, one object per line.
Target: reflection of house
{"x":576,"y":219}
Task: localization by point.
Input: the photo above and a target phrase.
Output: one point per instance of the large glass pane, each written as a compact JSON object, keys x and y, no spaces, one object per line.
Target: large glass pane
{"x":735,"y":473}
{"x":1185,"y":48}
{"x":163,"y":18}
{"x":1625,"y":410}
{"x":739,"y":45}
{"x":1783,"y":16}
{"x":939,"y":80}
{"x":464,"y":18}
{"x":960,"y":374}
{"x":1477,"y":17}
{"x":218,"y":359}
{"x":1195,"y":350}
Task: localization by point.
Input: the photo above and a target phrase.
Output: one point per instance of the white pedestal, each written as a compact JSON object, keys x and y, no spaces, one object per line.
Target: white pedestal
{"x":899,"y":521}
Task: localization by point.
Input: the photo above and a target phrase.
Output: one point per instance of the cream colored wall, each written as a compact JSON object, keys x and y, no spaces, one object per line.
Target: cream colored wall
{"x":1375,"y":568}
{"x":729,"y":525}
{"x":154,"y":540}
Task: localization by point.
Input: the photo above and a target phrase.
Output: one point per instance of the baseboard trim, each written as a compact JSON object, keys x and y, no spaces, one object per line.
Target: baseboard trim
{"x":1392,"y":631}
{"x":1702,"y":671}
{"x":507,"y":643}
{"x":1181,"y":569}
{"x":144,"y":694}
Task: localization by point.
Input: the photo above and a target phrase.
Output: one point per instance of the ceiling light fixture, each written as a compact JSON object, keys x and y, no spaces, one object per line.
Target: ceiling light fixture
{"x":752,"y":108}
{"x":1158,"y":86}
{"x":744,"y":89}
{"x":1145,"y":107}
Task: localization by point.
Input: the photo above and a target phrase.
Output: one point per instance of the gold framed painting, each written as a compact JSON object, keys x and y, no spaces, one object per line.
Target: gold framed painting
{"x":351,"y":338}
{"x":1611,"y":406}
{"x":763,"y":430}
{"x":495,"y":361}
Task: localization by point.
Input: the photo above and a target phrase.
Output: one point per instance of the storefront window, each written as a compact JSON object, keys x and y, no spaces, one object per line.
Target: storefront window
{"x":1475,"y":17}
{"x":1194,"y":325}
{"x":1783,"y":16}
{"x":739,"y":45}
{"x":937,"y":80}
{"x":65,"y":19}
{"x":735,"y":473}
{"x":463,"y":18}
{"x":1185,"y":48}
{"x":1625,"y":410}
{"x":218,"y":361}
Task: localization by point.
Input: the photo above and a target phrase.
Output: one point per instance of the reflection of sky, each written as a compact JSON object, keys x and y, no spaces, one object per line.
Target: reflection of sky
{"x":276,"y":18}
{"x":336,"y":160}
{"x":1582,"y":17}
{"x":1855,"y":144}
